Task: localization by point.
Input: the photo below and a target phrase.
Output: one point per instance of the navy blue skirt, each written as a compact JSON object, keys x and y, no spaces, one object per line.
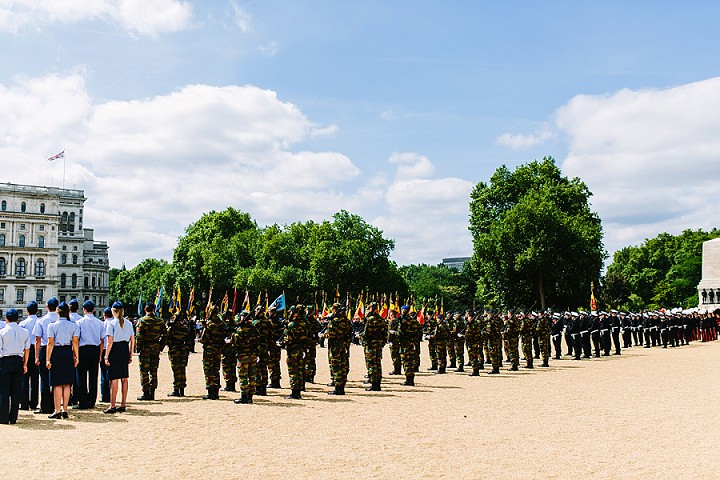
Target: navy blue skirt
{"x":118,"y":358}
{"x":62,"y":371}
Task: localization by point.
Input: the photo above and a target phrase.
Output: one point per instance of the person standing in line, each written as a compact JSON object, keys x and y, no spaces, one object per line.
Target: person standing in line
{"x":150,"y":336}
{"x":246,"y":340}
{"x":90,"y":343}
{"x":104,"y":381}
{"x":31,"y":380}
{"x":178,"y":352}
{"x":407,"y":332}
{"x":14,"y":352}
{"x":62,"y":358}
{"x":120,"y":343}
{"x":374,"y":337}
{"x":41,"y":340}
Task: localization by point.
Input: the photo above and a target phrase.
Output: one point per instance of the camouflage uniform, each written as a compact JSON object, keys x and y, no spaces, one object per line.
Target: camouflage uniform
{"x":494,"y":329}
{"x":264,"y":328}
{"x":409,"y":328}
{"x":178,"y":352}
{"x":245,"y":341}
{"x":339,"y":335}
{"x":313,"y":327}
{"x":527,"y":330}
{"x":440,"y":336}
{"x":475,"y":339}
{"x":295,"y":340}
{"x":394,"y":341}
{"x":511,"y":334}
{"x":430,"y":326}
{"x":275,"y":351}
{"x":544,"y":325}
{"x":150,"y":337}
{"x":213,"y":340}
{"x":374,"y":337}
{"x":451,"y":341}
{"x":229,"y":357}
{"x":457,"y":333}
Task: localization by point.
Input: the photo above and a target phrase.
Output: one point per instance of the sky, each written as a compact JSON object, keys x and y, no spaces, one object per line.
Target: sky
{"x":294,"y":110}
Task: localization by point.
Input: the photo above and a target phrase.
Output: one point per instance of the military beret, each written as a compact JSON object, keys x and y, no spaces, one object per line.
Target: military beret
{"x":31,"y":304}
{"x":404,"y":307}
{"x":108,"y":311}
{"x":63,"y":306}
{"x":117,"y":305}
{"x":88,"y":305}
{"x":12,"y":315}
{"x":73,"y":301}
{"x":53,"y":302}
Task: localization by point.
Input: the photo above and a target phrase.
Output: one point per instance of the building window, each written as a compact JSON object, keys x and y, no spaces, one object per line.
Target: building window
{"x":2,"y":225}
{"x":63,"y":280}
{"x":39,"y":295}
{"x":2,"y":239}
{"x":23,"y":207}
{"x":2,"y":295}
{"x":41,"y":242}
{"x":40,"y":268}
{"x":63,"y":222}
{"x":22,"y":226}
{"x":21,"y":241}
{"x":74,"y":249}
{"x":42,"y":208}
{"x":71,"y":222}
{"x":20,"y":295}
{"x":20,"y":267}
{"x":74,"y":280}
{"x":42,"y":228}
{"x":2,"y":267}
{"x":93,"y":282}
{"x":4,"y":205}
{"x":74,"y":259}
{"x":86,"y":282}
{"x":63,"y":258}
{"x":62,"y":298}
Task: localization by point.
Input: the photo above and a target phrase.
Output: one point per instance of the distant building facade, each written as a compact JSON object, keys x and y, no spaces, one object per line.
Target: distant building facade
{"x":456,"y":263}
{"x":709,"y":287}
{"x":44,"y":250}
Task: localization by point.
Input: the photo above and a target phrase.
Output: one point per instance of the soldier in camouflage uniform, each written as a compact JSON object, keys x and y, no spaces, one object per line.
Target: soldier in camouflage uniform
{"x":409,"y":328}
{"x":544,"y":325}
{"x":451,"y":340}
{"x":229,"y":360}
{"x":374,"y":336}
{"x":430,"y":326}
{"x":150,"y":337}
{"x":458,"y":335}
{"x":295,"y":340}
{"x":494,"y":331}
{"x":511,"y":336}
{"x":246,"y":340}
{"x":527,"y":331}
{"x":265,"y":331}
{"x":178,"y":352}
{"x":394,"y":340}
{"x":213,"y":338}
{"x":275,"y":350}
{"x":313,"y":327}
{"x":339,"y":336}
{"x":440,"y":336}
{"x":475,"y":339}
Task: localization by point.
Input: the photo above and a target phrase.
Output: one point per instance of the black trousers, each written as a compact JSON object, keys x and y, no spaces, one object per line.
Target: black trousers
{"x":577,"y":345}
{"x":635,"y":336}
{"x":104,"y":381}
{"x":616,"y":339}
{"x":587,"y":348}
{"x":30,"y":384}
{"x":569,"y":342}
{"x":47,"y":404}
{"x":557,"y":343}
{"x":606,"y":342}
{"x":627,"y":338}
{"x":87,"y":375}
{"x":11,"y":373}
{"x":596,"y":342}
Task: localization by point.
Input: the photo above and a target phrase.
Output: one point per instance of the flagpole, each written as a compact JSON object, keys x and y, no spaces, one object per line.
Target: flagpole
{"x":63,"y":184}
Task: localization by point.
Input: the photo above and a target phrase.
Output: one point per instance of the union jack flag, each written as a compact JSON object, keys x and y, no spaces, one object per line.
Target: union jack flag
{"x":56,"y":156}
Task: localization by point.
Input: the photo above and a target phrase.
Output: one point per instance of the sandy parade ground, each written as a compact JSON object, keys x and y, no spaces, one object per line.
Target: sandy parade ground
{"x":649,"y":413}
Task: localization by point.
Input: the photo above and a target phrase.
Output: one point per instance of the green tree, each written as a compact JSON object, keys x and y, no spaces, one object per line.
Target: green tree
{"x":432,"y":284}
{"x":536,"y":240}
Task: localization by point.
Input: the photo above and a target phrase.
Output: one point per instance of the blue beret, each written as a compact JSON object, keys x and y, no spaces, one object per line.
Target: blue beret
{"x":108,"y":311}
{"x":73,"y":301}
{"x":31,"y":304}
{"x":88,"y":305}
{"x":63,"y":306}
{"x":53,"y":302}
{"x":404,"y":307}
{"x":12,"y":315}
{"x":117,"y":305}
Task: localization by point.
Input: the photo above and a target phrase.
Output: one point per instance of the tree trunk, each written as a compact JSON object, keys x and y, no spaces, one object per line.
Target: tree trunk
{"x":541,"y":288}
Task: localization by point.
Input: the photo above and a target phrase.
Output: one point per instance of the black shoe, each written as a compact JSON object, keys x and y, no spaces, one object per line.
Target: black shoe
{"x":274,"y":384}
{"x":475,"y":373}
{"x":182,"y":392}
{"x":230,"y":387}
{"x":174,"y":393}
{"x":262,"y":391}
{"x":374,"y":387}
{"x":460,"y":369}
{"x":337,"y":391}
{"x":441,"y":370}
{"x":242,"y":400}
{"x":452,"y":365}
{"x":145,"y":396}
{"x":110,"y":410}
{"x":120,"y":409}
{"x":331,"y":384}
{"x":210,"y":395}
{"x":409,"y":382}
{"x":513,"y":369}
{"x":545,"y":364}
{"x":494,"y":371}
{"x":528,"y":366}
{"x":65,"y":415}
{"x":294,"y":395}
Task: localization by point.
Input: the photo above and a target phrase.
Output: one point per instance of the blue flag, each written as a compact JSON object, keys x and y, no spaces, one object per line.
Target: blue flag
{"x":140,"y":306}
{"x":279,"y":303}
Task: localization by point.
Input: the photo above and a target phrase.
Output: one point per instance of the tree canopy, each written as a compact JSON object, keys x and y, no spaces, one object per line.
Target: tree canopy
{"x":536,"y":241}
{"x":435,"y":284}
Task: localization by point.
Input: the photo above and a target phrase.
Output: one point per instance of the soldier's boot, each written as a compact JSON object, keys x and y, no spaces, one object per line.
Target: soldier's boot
{"x":145,"y":396}
{"x":243,"y":398}
{"x":441,"y":370}
{"x":409,"y":381}
{"x":475,"y":372}
{"x":494,"y":371}
{"x":249,"y":397}
{"x":434,"y":366}
{"x":367,"y":380}
{"x":152,"y":393}
{"x":461,"y":368}
{"x":331,"y":384}
{"x":338,"y":391}
{"x":262,"y":391}
{"x":396,"y":371}
{"x":452,"y":365}
{"x":229,"y":387}
{"x":469,"y":363}
{"x":181,"y":392}
{"x":513,"y":369}
{"x":529,"y":363}
{"x":209,"y":395}
{"x":174,"y":393}
{"x":275,"y":383}
{"x":374,"y":387}
{"x":545,"y":364}
{"x":294,"y":394}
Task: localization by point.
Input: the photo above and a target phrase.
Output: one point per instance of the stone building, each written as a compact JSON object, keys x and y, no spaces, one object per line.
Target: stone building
{"x":709,"y":287}
{"x":44,"y":250}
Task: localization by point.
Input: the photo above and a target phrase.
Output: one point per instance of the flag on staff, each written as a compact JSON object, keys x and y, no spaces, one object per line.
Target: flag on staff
{"x":56,"y":156}
{"x":259,"y":300}
{"x":178,"y":301}
{"x":172,"y":302}
{"x":140,"y":306}
{"x":234,"y":308}
{"x":190,"y":307}
{"x":158,"y":299}
{"x":224,"y":304}
{"x":279,"y":302}
{"x":360,"y":311}
{"x":593,"y":300}
{"x":421,"y":315}
{"x":267,"y":302}
{"x":246,"y":303}
{"x":209,"y":305}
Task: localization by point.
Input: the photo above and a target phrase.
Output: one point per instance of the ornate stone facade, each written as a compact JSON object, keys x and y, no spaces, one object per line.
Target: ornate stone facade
{"x":709,"y":287}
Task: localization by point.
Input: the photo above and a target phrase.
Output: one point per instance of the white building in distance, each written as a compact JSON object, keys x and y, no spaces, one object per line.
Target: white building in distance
{"x":709,"y":287}
{"x":44,"y":250}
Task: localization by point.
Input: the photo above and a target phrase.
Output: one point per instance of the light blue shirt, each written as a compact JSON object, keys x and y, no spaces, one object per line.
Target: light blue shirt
{"x":14,"y":340}
{"x":92,"y":330}
{"x":63,"y":331}
{"x":29,"y":324}
{"x":74,"y":317}
{"x":119,"y":334}
{"x":41,"y":327}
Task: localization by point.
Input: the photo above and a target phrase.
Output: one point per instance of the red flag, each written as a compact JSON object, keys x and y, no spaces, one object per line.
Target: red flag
{"x":56,"y":156}
{"x":234,"y":307}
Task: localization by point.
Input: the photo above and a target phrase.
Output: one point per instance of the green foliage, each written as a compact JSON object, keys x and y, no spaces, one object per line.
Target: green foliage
{"x":536,"y":241}
{"x":661,"y":272}
{"x":147,"y":277}
{"x":429,"y":284}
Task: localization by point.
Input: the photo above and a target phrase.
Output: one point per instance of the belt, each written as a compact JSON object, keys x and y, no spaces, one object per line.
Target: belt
{"x":604,"y":330}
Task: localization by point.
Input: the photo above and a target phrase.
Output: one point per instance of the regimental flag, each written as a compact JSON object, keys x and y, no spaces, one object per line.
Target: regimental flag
{"x":442,"y":306}
{"x":225,"y":304}
{"x":267,"y":302}
{"x":56,"y":156}
{"x":246,"y":303}
{"x":394,"y":304}
{"x":384,"y":309}
{"x":337,"y":293}
{"x":140,"y":306}
{"x":172,"y":302}
{"x":158,"y":300}
{"x":190,"y":306}
{"x":421,"y":316}
{"x":209,"y":305}
{"x":360,"y":311}
{"x":593,"y":300}
{"x":178,"y":301}
{"x":259,"y":300}
{"x":234,"y":307}
{"x":325,"y":310}
{"x":279,"y":303}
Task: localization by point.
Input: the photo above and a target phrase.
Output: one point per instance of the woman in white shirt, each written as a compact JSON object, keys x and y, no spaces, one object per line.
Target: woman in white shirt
{"x":120,"y":344}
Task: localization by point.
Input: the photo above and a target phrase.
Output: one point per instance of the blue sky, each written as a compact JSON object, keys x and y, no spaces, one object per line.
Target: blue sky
{"x":294,"y":109}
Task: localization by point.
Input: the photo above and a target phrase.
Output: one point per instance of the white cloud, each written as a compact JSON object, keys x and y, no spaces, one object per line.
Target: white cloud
{"x":242,"y":18}
{"x":412,"y":165}
{"x":141,"y":17}
{"x":650,"y":157}
{"x":520,"y":141}
{"x":270,"y":49}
